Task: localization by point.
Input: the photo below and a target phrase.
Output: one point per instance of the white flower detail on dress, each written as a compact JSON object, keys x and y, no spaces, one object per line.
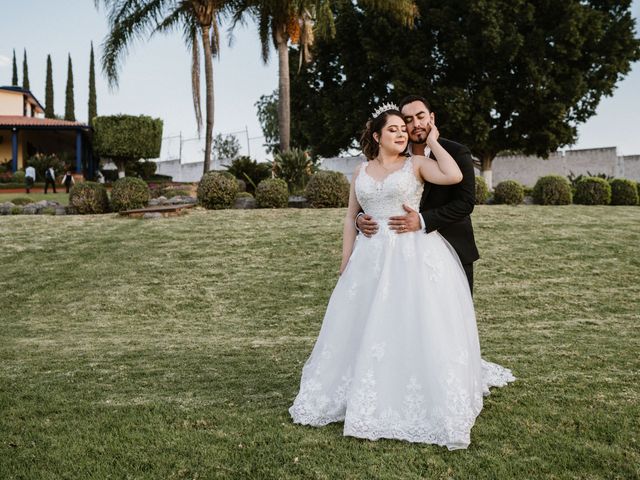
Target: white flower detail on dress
{"x":326,"y":353}
{"x":377,"y":350}
{"x":365,"y":397}
{"x":353,"y":290}
{"x":434,"y":266}
{"x":414,"y":402}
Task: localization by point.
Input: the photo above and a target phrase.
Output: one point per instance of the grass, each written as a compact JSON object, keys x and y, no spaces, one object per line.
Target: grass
{"x":172,"y":348}
{"x":62,"y":198}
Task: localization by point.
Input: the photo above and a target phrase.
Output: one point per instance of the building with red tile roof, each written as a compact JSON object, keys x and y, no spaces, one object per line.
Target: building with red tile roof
{"x":24,"y":132}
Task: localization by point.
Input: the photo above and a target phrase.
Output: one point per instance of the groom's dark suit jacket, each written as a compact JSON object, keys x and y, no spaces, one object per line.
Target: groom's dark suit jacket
{"x":446,"y":208}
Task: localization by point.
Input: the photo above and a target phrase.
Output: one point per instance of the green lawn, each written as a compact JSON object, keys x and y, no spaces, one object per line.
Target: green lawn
{"x":62,"y":198}
{"x":172,"y":348}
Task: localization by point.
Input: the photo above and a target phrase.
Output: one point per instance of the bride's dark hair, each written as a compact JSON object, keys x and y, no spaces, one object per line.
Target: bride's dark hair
{"x":369,"y":146}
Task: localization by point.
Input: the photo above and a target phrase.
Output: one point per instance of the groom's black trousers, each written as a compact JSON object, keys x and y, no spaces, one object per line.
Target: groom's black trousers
{"x":468,"y":270}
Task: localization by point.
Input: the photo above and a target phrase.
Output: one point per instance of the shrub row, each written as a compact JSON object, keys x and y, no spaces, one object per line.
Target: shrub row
{"x":557,"y":190}
{"x":91,"y":198}
{"x":325,"y":189}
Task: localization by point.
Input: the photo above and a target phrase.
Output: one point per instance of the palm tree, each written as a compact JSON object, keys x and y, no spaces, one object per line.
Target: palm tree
{"x":282,"y":21}
{"x":198,"y":21}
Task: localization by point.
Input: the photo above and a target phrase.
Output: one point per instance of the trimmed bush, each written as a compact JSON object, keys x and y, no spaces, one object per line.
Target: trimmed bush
{"x":327,"y":189}
{"x":89,"y":197}
{"x":482,"y":191}
{"x":129,"y":193}
{"x":244,"y":195}
{"x":593,"y":191}
{"x":217,"y":190}
{"x":623,"y":192}
{"x":552,"y":190}
{"x":125,"y":139}
{"x":272,"y":193}
{"x":21,"y":201}
{"x":18,"y":176}
{"x":508,"y":192}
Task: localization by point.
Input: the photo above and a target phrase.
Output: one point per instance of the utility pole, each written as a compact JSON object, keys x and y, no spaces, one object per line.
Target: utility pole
{"x":246,"y":130}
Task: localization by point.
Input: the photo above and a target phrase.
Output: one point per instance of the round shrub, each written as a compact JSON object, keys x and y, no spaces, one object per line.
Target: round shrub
{"x":272,"y":193}
{"x":21,"y":201}
{"x":18,"y":176}
{"x":593,"y":191}
{"x":244,"y":195}
{"x":508,"y":192}
{"x":217,"y":190}
{"x":482,"y":191}
{"x":552,"y":190}
{"x":327,"y":189}
{"x":89,"y":197}
{"x":623,"y":192}
{"x":129,"y":193}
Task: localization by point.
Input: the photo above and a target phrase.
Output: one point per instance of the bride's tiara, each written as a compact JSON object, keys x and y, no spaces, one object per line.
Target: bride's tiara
{"x":383,"y":108}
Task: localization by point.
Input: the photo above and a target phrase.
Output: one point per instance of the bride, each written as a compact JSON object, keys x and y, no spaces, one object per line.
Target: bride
{"x":398,"y":354}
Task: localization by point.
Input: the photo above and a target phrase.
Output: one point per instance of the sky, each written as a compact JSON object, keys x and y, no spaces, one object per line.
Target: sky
{"x":155,"y":78}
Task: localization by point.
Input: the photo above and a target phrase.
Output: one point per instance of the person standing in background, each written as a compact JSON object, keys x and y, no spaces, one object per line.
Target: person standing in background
{"x":29,"y":178}
{"x":49,"y":178}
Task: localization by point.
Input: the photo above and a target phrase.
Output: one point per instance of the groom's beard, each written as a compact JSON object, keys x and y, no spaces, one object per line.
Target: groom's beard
{"x":419,"y":139}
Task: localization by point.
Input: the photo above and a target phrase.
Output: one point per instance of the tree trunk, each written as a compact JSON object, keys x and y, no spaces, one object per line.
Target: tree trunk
{"x":487,"y":173}
{"x":208,"y":73}
{"x":121,"y":164}
{"x":284,"y":103}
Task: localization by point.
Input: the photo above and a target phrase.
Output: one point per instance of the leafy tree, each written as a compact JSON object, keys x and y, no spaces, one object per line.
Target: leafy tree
{"x":225,"y":147}
{"x":93,"y":103}
{"x":125,"y":139}
{"x":14,"y":73}
{"x":297,"y":22}
{"x":25,"y":72}
{"x":267,"y":107}
{"x":69,"y":107}
{"x":197,"y":20}
{"x":48,"y":95}
{"x":500,"y":75}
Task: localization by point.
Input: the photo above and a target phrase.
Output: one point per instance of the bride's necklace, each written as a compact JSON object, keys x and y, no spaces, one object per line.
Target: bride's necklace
{"x":391,"y":170}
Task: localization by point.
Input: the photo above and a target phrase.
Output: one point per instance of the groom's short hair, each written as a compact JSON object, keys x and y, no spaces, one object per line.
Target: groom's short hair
{"x":415,"y":98}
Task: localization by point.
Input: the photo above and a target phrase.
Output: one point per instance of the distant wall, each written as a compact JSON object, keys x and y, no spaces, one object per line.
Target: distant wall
{"x":346,"y":165}
{"x":186,"y":172}
{"x":527,"y":169}
{"x":631,"y":165}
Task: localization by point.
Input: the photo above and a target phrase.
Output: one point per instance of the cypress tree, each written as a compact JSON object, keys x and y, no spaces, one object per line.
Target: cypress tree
{"x":69,"y":106}
{"x":25,"y":72}
{"x":93,"y":103}
{"x":14,"y":77}
{"x":48,"y":96}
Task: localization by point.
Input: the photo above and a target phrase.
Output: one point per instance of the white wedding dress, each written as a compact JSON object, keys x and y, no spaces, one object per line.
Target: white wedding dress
{"x":398,"y":354}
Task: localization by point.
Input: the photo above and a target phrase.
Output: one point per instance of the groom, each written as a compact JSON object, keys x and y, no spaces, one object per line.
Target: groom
{"x":445,"y":208}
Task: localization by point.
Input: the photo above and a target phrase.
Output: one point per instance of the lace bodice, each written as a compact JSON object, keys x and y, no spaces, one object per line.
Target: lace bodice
{"x":384,"y":199}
